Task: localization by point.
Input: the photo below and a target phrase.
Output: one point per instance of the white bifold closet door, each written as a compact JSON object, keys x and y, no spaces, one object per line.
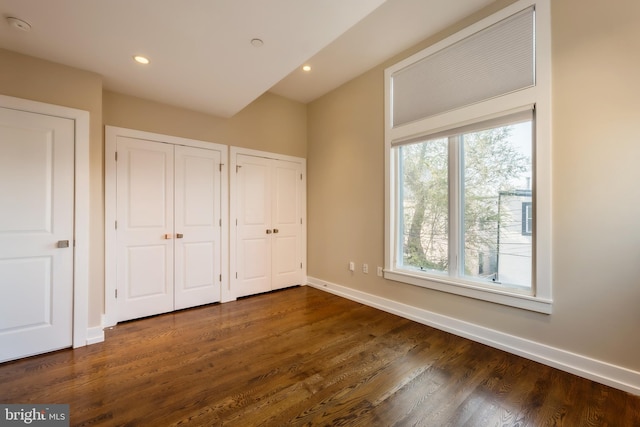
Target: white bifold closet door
{"x":268,"y":198}
{"x":168,"y":227}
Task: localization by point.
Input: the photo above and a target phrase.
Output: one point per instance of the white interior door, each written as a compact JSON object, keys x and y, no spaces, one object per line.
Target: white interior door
{"x":287,"y":224}
{"x":36,"y":233}
{"x":197,"y":226}
{"x":253,"y":197}
{"x":144,"y":190}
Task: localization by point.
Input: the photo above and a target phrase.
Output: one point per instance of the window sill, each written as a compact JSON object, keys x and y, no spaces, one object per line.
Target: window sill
{"x":512,"y":299}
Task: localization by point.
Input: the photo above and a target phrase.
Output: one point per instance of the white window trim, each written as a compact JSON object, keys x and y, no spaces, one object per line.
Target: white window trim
{"x":540,"y":95}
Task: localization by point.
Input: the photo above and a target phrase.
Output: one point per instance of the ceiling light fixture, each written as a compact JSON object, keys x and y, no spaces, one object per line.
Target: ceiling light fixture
{"x":141,"y":59}
{"x":306,"y":68}
{"x":257,"y":42}
{"x":19,"y":23}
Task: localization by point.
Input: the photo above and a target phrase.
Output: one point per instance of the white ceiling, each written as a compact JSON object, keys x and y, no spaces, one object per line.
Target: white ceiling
{"x":201,"y":52}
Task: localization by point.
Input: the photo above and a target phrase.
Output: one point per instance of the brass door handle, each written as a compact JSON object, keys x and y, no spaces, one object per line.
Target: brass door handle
{"x":62,"y":244}
{"x":268,"y":231}
{"x":276,"y":231}
{"x":168,"y":236}
{"x":179,"y":236}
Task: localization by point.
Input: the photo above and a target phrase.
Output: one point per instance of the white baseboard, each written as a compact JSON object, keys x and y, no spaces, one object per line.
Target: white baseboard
{"x":95,"y":335}
{"x":596,"y":370}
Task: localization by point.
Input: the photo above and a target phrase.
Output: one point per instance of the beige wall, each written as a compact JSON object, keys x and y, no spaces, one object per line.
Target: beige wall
{"x":271,"y":123}
{"x":596,"y":211}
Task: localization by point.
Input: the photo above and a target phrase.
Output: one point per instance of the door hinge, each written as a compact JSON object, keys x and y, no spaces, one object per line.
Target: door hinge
{"x":300,"y":177}
{"x":116,"y":156}
{"x":238,"y":168}
{"x":116,"y":225}
{"x":300,"y":266}
{"x":300,"y":221}
{"x":116,"y":294}
{"x":221,"y":277}
{"x":236,"y":274}
{"x":220,"y":222}
{"x":221,"y":164}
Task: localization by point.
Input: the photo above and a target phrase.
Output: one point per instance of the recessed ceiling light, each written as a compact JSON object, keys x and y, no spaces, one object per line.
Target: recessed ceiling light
{"x":141,"y":59}
{"x":19,"y":23}
{"x":257,"y":42}
{"x":306,"y":68}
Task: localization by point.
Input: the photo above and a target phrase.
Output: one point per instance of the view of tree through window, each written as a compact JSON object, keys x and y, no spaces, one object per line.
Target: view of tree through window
{"x":495,"y":180}
{"x":425,"y":204}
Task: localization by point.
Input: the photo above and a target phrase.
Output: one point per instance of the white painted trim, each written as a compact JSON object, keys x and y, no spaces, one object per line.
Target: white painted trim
{"x":583,"y":366}
{"x":110,"y":317}
{"x":95,"y":335}
{"x":81,"y":205}
{"x":266,"y":154}
{"x":543,"y":156}
{"x":111,"y":136}
{"x":471,"y":290}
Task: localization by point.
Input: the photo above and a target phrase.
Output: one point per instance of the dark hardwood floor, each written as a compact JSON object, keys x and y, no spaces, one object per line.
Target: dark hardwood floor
{"x":304,"y":357}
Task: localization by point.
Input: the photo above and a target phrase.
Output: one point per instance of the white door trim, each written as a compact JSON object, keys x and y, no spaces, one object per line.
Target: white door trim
{"x":81,"y":206}
{"x":111,"y":138}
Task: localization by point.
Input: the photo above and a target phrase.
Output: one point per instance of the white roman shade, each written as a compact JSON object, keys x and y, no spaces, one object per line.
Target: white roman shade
{"x":526,"y":113}
{"x":495,"y":61}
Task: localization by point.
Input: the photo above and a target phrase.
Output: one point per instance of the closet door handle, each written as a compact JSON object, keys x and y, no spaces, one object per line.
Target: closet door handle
{"x":268,"y":231}
{"x":276,"y":231}
{"x":179,"y":236}
{"x":168,"y":236}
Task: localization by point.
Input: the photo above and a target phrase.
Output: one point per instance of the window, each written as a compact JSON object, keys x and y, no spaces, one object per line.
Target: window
{"x":468,"y":141}
{"x":482,"y":202}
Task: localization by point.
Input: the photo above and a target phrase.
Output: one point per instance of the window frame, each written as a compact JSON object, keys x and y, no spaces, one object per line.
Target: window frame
{"x":527,"y":210}
{"x":538,"y":98}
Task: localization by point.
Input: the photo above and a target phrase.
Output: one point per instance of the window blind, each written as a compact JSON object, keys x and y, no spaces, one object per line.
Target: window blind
{"x":526,"y":114}
{"x":492,"y":62}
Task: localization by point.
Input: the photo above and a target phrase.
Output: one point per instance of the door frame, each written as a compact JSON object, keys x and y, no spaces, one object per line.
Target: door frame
{"x":110,"y":146}
{"x":81,"y":208}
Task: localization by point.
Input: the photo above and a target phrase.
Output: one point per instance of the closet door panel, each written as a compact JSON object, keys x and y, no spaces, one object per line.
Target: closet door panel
{"x":197,"y":226}
{"x":254,"y":229}
{"x":287,"y":218}
{"x":145,"y":227}
{"x":286,"y":265}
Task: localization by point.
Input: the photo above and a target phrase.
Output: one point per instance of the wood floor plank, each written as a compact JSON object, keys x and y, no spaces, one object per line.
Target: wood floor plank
{"x":304,"y":357}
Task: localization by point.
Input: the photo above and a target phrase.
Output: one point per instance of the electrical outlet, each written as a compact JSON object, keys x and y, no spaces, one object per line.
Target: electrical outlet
{"x":352,"y":266}
{"x":379,"y":271}
{"x":365,"y":268}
